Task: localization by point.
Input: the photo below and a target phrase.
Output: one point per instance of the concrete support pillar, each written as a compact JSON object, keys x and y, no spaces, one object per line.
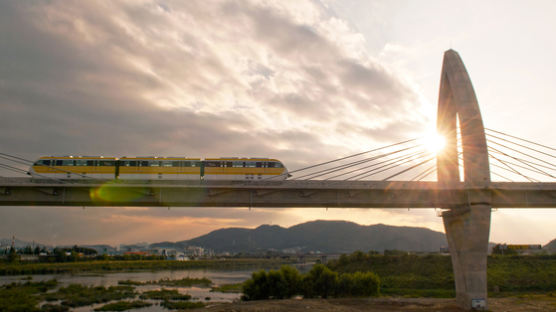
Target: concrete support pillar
{"x":467,"y":230}
{"x":467,"y":227}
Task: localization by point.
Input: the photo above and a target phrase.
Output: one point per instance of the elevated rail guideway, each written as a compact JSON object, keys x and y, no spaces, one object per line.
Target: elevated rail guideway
{"x":326,"y":194}
{"x":466,"y":202}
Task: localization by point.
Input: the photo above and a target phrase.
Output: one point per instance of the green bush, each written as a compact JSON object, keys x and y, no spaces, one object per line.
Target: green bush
{"x":319,"y":282}
{"x":256,"y":288}
{"x":292,"y":279}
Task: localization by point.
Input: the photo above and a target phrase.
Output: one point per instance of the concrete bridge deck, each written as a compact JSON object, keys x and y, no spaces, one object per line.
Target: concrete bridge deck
{"x":289,"y":193}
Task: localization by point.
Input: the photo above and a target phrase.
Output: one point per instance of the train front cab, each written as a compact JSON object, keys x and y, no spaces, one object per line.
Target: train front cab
{"x":70,"y":167}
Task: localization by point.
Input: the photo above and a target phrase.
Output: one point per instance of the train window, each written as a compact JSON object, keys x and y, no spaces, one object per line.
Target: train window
{"x":169,"y":163}
{"x":229,"y":164}
{"x":258,"y":164}
{"x":237,"y":164}
{"x":68,"y":162}
{"x":90,"y":163}
{"x":177,"y":163}
{"x":186,"y":164}
{"x":155,"y":163}
{"x":45,"y":162}
{"x":80,"y":162}
{"x":59,"y":162}
{"x":133,"y":163}
{"x":196,"y":164}
{"x":250,"y":164}
{"x":212,"y":164}
{"x":144,"y":163}
{"x":270,"y":164}
{"x":106,"y":163}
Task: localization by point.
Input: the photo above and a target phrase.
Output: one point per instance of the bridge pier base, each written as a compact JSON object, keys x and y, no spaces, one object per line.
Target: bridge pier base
{"x":467,"y":230}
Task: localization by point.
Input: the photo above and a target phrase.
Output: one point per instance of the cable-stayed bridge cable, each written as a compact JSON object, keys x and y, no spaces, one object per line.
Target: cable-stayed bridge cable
{"x":520,"y":152}
{"x":349,"y":165}
{"x":410,"y":168}
{"x":545,"y":146}
{"x":346,"y":157}
{"x":527,"y":147}
{"x":529,"y":169}
{"x":374,"y":164}
{"x":513,"y":170}
{"x":21,"y":171}
{"x":388,"y":167}
{"x":387,"y":162}
{"x":523,"y":162}
{"x":426,"y":171}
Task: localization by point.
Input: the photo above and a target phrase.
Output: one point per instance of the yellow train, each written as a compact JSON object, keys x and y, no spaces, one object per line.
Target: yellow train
{"x":158,"y":168}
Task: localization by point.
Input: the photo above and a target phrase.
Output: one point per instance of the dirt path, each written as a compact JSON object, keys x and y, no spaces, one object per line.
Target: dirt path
{"x":526,"y":304}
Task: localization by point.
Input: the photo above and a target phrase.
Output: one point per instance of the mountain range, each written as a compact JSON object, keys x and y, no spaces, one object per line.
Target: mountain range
{"x":323,"y":236}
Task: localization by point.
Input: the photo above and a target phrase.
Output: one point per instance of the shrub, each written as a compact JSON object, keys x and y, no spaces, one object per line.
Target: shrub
{"x":256,"y":288}
{"x":277,"y":286}
{"x":319,"y":282}
{"x":364,"y":284}
{"x":292,"y":279}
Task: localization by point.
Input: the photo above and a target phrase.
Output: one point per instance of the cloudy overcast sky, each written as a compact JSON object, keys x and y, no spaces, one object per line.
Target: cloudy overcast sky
{"x":301,"y":81}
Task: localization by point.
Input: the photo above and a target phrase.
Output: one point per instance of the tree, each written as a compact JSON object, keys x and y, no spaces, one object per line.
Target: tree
{"x":292,"y":279}
{"x":12,"y":255}
{"x":320,"y":281}
{"x":256,"y":288}
{"x":27,"y":250}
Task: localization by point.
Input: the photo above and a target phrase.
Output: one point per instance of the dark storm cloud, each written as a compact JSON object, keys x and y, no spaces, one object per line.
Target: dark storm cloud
{"x":194,"y":78}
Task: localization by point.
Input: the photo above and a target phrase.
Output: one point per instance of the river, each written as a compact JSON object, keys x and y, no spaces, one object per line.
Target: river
{"x":218,"y":277}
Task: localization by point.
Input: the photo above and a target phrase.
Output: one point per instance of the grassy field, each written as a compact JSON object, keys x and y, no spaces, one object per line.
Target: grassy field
{"x":432,"y":276}
{"x":134,"y":265}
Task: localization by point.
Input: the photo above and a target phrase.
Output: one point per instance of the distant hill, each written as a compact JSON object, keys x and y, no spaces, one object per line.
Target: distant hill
{"x":550,"y":246}
{"x":323,"y":236}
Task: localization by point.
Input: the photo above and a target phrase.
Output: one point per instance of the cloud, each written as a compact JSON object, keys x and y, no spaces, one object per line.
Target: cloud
{"x":90,"y":225}
{"x":284,"y":79}
{"x":179,"y":74}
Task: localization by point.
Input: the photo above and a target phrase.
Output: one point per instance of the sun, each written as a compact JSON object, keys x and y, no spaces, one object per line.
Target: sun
{"x":434,"y":142}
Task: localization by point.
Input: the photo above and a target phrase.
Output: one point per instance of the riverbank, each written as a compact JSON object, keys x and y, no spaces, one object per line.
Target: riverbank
{"x":522,"y":303}
{"x":108,"y":266}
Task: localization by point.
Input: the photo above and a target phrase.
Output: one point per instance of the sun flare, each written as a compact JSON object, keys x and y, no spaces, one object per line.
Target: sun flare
{"x":434,"y":142}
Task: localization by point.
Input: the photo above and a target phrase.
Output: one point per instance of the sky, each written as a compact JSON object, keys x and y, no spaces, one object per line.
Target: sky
{"x":302,"y":81}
